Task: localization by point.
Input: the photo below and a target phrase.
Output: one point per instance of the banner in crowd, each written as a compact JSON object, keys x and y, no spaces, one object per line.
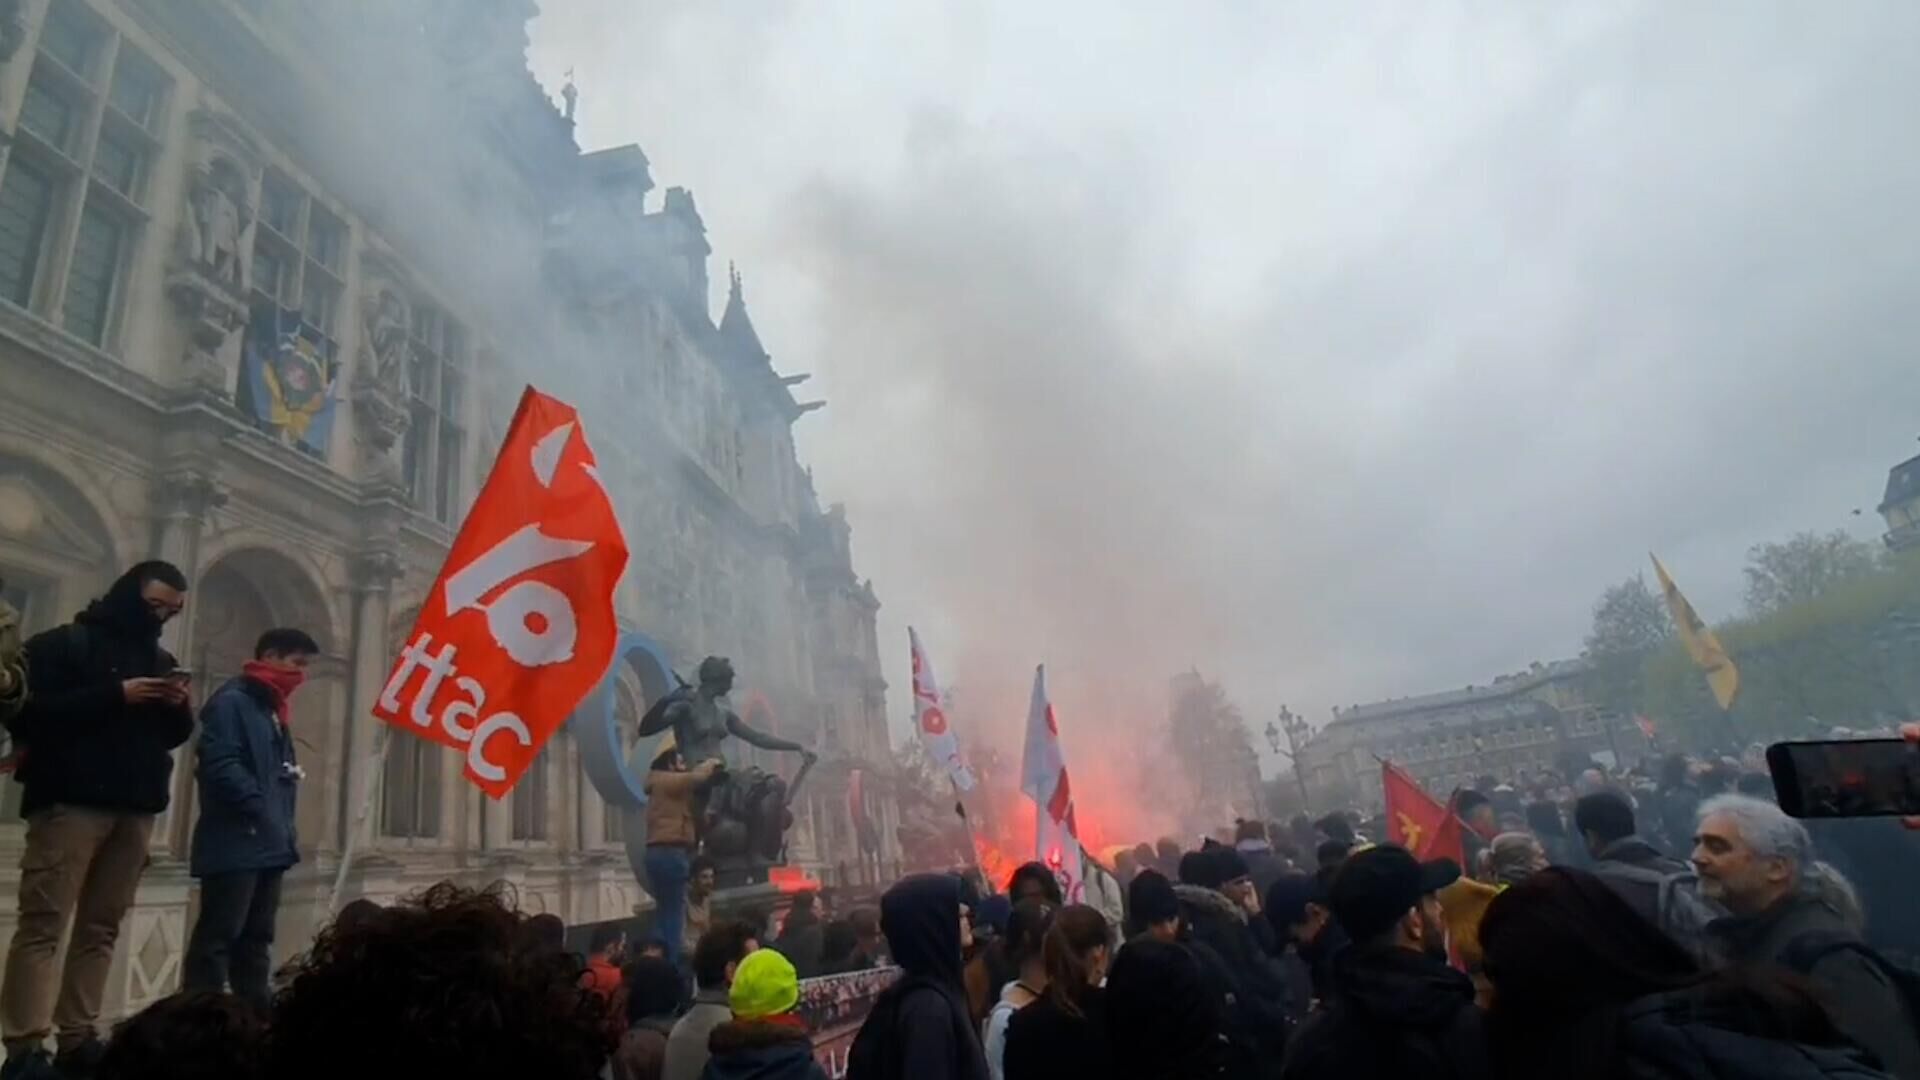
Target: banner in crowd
{"x":1103,"y":892}
{"x":930,"y":717}
{"x":520,"y":624}
{"x":1043,"y":778}
{"x":1723,"y":678}
{"x":1419,"y":822}
{"x":834,"y":1007}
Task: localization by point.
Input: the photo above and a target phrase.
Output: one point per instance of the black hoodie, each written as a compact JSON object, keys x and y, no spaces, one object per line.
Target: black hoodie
{"x":85,"y":746}
{"x":919,"y":1029}
{"x":1395,"y":1013}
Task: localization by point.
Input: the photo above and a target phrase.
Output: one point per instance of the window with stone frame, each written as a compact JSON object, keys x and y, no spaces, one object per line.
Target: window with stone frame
{"x":410,"y":781}
{"x":436,"y":439}
{"x":298,"y":277}
{"x":410,"y":789}
{"x":74,"y":188}
{"x":530,"y":799}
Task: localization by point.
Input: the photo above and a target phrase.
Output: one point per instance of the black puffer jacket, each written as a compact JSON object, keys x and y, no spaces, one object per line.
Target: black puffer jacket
{"x":1045,"y":1043}
{"x":1258,"y":1019}
{"x":1679,"y":1036}
{"x":1396,"y":1013}
{"x":84,"y":745}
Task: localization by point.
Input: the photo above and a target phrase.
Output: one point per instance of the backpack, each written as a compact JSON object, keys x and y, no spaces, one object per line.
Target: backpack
{"x":1679,"y":911}
{"x":13,"y":751}
{"x":1808,"y":949}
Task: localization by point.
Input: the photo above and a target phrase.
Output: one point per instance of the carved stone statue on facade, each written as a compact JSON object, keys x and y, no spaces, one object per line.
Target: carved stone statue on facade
{"x":385,"y":351}
{"x":380,"y":383}
{"x":208,"y":278}
{"x":744,"y":813}
{"x":217,"y":236}
{"x":13,"y":28}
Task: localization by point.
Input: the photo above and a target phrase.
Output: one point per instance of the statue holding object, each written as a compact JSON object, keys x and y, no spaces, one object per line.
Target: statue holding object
{"x":743,"y":814}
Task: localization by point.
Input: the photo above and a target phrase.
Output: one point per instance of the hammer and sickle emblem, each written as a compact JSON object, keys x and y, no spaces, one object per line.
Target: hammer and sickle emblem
{"x":1411,"y":830}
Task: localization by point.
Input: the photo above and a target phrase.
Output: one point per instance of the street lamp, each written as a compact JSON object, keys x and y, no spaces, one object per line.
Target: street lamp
{"x":1296,"y":730}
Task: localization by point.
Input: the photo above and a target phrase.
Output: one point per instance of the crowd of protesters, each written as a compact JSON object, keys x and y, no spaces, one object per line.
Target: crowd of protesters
{"x":1662,"y":922}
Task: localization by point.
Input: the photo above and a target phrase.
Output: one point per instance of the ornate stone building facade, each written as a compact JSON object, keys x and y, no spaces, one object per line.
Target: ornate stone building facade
{"x":1522,"y":724}
{"x":272,"y":275}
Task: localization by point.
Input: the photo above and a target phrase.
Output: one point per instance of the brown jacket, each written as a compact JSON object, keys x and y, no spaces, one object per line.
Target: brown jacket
{"x":670,"y":806}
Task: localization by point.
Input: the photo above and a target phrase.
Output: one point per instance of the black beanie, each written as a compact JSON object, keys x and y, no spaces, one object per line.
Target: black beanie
{"x":1150,"y":898}
{"x":1195,"y":869}
{"x":1229,"y":865}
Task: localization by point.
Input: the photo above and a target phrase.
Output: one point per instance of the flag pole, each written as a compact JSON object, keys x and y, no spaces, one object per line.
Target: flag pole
{"x":973,"y":845}
{"x":376,"y":777}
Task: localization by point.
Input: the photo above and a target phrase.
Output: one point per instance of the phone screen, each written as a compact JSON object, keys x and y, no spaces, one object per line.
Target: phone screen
{"x":1846,"y":778}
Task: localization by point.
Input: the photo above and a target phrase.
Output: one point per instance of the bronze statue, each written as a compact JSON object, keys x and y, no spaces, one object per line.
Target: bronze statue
{"x":743,"y":815}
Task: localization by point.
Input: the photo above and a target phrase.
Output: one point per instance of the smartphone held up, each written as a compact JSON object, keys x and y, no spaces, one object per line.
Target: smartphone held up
{"x":1846,"y":778}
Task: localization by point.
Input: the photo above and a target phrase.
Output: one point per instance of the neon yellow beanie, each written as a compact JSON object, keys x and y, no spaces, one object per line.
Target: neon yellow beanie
{"x":764,"y":984}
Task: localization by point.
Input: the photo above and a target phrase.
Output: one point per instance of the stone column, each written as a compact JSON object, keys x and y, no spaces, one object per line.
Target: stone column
{"x":184,"y":498}
{"x":373,"y":572}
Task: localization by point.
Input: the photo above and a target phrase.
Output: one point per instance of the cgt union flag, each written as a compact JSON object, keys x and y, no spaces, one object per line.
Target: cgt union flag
{"x":1043,"y":777}
{"x":520,"y":624}
{"x":930,"y":716}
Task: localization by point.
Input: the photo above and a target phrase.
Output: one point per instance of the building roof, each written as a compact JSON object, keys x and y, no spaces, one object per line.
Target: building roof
{"x":1903,"y":484}
{"x":736,"y":328}
{"x":1504,"y":687}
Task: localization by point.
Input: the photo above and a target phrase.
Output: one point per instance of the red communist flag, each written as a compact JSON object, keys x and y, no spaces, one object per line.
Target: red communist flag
{"x":520,"y":624}
{"x":1417,"y":821}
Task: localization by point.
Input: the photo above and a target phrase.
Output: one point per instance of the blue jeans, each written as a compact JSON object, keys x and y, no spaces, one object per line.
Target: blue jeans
{"x":667,"y":871}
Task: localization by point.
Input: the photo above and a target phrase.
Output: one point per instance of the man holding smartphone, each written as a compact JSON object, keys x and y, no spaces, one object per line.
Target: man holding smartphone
{"x":106,"y":707}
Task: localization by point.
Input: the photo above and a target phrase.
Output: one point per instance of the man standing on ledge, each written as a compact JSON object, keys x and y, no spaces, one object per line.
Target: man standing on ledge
{"x":244,"y":842}
{"x":106,"y":708}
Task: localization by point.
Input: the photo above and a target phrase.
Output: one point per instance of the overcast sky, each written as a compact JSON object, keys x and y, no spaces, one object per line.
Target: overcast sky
{"x":1342,"y":350}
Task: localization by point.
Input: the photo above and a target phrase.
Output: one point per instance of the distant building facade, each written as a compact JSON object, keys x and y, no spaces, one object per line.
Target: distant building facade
{"x":272,"y":275}
{"x":1521,"y":724}
{"x":1900,"y":505}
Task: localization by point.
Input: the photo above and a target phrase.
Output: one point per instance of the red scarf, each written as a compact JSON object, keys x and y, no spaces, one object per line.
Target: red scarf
{"x":280,"y":682}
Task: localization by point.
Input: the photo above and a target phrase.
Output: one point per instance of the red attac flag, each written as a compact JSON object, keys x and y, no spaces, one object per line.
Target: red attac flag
{"x":1419,"y":822}
{"x":520,"y":624}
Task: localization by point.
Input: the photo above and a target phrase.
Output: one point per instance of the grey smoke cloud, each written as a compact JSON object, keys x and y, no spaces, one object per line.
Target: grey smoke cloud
{"x":1344,"y":351}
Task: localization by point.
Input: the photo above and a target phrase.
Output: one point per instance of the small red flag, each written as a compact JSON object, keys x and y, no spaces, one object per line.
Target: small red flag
{"x":1417,"y":821}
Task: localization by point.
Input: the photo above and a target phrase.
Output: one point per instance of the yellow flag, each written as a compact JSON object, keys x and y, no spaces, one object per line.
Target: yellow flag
{"x":1723,"y":678}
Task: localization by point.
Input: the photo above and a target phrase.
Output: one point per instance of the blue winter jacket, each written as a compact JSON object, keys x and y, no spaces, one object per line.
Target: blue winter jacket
{"x":248,"y":782}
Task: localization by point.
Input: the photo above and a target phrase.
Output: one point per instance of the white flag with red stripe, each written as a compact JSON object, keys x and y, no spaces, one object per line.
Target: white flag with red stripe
{"x":930,"y":717}
{"x":1043,"y":777}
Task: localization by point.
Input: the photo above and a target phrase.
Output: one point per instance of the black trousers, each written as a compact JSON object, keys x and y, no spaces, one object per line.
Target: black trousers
{"x":232,"y":941}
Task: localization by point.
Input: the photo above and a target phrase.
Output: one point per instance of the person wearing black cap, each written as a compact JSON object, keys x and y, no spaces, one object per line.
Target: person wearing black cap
{"x":1217,"y":902}
{"x":1398,"y":1010}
